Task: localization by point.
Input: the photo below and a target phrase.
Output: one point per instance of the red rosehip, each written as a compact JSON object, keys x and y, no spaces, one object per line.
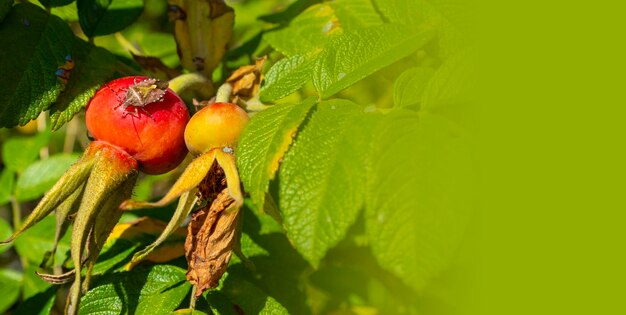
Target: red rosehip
{"x":144,"y":118}
{"x":217,"y":125}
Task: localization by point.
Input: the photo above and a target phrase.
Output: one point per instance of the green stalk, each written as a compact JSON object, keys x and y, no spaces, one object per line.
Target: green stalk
{"x":223,"y":93}
{"x":191,"y":82}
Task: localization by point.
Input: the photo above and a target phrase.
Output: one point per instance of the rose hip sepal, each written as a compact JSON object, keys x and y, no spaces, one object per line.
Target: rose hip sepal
{"x":104,"y":177}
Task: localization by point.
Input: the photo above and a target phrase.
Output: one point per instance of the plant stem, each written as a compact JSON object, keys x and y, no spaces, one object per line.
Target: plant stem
{"x":191,"y":81}
{"x":16,"y":213}
{"x":41,"y":127}
{"x":254,"y":105}
{"x":70,"y":135}
{"x":223,"y":93}
{"x":192,"y":302}
{"x":126,"y":44}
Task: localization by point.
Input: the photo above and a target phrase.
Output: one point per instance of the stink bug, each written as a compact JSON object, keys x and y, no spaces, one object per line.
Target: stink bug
{"x":143,"y":93}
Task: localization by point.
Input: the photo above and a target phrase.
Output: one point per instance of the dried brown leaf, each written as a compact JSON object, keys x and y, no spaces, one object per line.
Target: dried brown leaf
{"x":246,"y":80}
{"x":212,"y":234}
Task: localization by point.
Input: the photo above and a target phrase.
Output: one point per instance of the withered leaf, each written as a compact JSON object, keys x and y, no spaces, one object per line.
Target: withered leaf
{"x":246,"y":80}
{"x":212,"y":234}
{"x":202,"y":29}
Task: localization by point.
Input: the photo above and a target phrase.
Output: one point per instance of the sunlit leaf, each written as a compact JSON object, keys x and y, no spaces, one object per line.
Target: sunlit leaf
{"x":7,"y":180}
{"x":68,"y":13}
{"x":155,"y":290}
{"x":40,"y":176}
{"x":452,"y":88}
{"x":401,"y":11}
{"x":237,"y":293}
{"x":277,"y":266}
{"x":18,"y":153}
{"x":285,"y":77}
{"x":10,"y":285}
{"x":5,"y":232}
{"x":322,"y":183}
{"x":450,"y":18}
{"x":353,"y":56}
{"x":33,"y":243}
{"x":264,"y":142}
{"x":355,"y":14}
{"x":128,"y":238}
{"x":32,"y":284}
{"x":308,"y":32}
{"x":410,"y":85}
{"x":417,"y":208}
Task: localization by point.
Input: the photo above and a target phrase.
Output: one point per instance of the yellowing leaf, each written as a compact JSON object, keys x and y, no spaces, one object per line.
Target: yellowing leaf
{"x":202,"y":29}
{"x":264,"y":142}
{"x":246,"y":81}
{"x":308,"y":32}
{"x":138,"y":227}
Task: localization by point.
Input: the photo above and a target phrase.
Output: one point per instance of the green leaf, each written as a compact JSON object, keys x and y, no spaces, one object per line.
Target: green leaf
{"x":451,"y":19}
{"x":18,"y":153}
{"x":155,"y":290}
{"x":278,"y":267}
{"x":10,"y":285}
{"x":143,"y":188}
{"x":290,"y":12}
{"x":244,"y":296}
{"x":33,"y":243}
{"x":419,"y":195}
{"x":410,"y":85}
{"x":32,"y":283}
{"x":322,"y":180}
{"x":355,"y":14}
{"x":5,"y":232}
{"x":285,"y":77}
{"x":7,"y":180}
{"x":68,"y":13}
{"x":55,"y":3}
{"x":160,"y":45}
{"x":5,"y":7}
{"x":307,"y":33}
{"x":451,"y":91}
{"x":93,"y":66}
{"x":38,"y":304}
{"x":127,"y":238}
{"x":188,"y":311}
{"x":401,"y":11}
{"x":103,"y":17}
{"x":353,"y":56}
{"x":40,"y":176}
{"x":263,"y":143}
{"x":35,"y":44}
